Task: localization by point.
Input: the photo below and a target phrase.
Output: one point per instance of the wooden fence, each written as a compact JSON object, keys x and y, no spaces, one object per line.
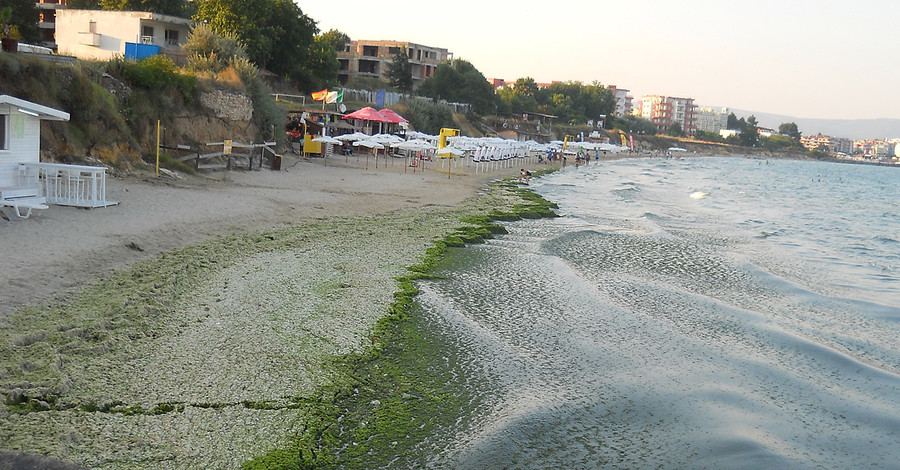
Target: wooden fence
{"x":211,"y":156}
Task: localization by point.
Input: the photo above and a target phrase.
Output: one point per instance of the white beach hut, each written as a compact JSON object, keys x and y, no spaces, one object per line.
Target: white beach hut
{"x":25,"y":182}
{"x":20,"y":143}
{"x":20,"y":135}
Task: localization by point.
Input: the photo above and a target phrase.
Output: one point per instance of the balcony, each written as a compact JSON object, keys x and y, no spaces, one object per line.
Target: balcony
{"x":87,"y":38}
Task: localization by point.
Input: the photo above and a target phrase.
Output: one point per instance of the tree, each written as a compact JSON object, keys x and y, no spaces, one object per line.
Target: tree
{"x":23,"y":19}
{"x":399,"y":72}
{"x":734,"y":124}
{"x":428,"y":117}
{"x":460,"y":81}
{"x":776,"y":142}
{"x":323,"y":65}
{"x":275,"y":33}
{"x":789,"y":129}
{"x":166,"y":7}
{"x":337,"y":39}
{"x":571,"y":102}
{"x":210,"y":51}
{"x":637,"y":125}
{"x":520,"y":97}
{"x":675,"y":130}
{"x":749,"y":137}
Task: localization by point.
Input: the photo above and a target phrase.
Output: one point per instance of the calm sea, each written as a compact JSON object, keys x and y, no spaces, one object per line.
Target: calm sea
{"x":693,"y":313}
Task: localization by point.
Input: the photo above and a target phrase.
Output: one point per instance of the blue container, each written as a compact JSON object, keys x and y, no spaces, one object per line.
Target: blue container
{"x":135,"y":51}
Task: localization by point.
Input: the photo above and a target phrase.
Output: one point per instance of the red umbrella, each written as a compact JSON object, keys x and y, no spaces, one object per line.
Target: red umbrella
{"x":392,"y":116}
{"x":367,"y":114}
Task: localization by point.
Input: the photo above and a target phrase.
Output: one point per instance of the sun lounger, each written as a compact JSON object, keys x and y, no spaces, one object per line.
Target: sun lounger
{"x":23,"y":198}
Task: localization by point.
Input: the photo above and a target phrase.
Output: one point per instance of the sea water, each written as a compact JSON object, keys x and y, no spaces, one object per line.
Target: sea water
{"x":690,"y":313}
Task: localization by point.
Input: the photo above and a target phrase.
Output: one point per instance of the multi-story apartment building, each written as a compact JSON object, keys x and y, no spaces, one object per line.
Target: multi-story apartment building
{"x":829,"y":143}
{"x":47,"y":20}
{"x":364,"y":58}
{"x":711,"y":119}
{"x":623,"y":100}
{"x":665,"y":111}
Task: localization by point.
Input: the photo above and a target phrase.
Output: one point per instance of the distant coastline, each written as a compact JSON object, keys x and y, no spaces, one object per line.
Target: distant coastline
{"x":857,"y":129}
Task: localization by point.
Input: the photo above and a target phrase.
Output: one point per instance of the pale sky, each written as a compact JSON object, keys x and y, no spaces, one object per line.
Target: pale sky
{"x":804,"y":58}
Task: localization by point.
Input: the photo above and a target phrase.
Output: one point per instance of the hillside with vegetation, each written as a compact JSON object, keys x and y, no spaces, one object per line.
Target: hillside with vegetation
{"x":115,"y":106}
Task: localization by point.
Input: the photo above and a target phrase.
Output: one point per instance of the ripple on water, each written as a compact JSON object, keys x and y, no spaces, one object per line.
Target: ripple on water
{"x":611,"y":348}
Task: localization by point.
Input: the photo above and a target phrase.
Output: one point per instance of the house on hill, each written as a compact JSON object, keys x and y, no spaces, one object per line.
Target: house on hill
{"x":103,"y":35}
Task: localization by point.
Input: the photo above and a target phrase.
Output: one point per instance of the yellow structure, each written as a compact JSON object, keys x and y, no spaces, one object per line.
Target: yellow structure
{"x":446,"y":132}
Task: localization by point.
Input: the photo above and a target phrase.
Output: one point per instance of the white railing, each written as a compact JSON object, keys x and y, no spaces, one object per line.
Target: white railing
{"x":67,"y":185}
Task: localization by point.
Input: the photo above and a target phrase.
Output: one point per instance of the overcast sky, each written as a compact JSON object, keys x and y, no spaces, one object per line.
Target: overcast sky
{"x":803,"y":58}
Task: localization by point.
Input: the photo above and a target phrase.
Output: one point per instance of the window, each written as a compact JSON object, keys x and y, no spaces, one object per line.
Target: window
{"x":4,"y":131}
{"x":171,"y":37}
{"x":147,"y":35}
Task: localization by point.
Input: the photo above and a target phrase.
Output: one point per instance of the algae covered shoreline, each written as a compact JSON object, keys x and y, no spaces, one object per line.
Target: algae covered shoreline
{"x":267,"y":350}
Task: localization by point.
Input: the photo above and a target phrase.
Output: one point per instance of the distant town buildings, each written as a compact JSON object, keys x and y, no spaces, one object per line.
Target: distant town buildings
{"x":623,"y":100}
{"x":368,"y":58}
{"x":666,"y":111}
{"x":827,"y":143}
{"x":711,"y":119}
{"x":871,"y":148}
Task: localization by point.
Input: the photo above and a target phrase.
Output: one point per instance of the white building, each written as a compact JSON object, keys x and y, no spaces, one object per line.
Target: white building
{"x":623,"y":100}
{"x":20,"y":135}
{"x":711,"y":119}
{"x":103,"y":35}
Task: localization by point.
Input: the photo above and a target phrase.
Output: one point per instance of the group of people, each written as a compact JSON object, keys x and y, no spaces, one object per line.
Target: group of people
{"x":524,"y":175}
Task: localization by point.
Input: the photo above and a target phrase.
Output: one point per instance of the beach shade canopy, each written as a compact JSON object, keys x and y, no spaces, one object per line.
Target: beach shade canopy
{"x":392,"y":116}
{"x":450,"y":151}
{"x":386,"y":138}
{"x":327,"y":140}
{"x":367,"y":114}
{"x":368,"y":144}
{"x":415,"y":144}
{"x":353,"y":136}
{"x":420,"y":135}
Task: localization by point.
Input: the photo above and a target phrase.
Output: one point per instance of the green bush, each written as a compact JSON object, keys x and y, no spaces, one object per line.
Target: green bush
{"x":155,"y":73}
{"x":428,"y":117}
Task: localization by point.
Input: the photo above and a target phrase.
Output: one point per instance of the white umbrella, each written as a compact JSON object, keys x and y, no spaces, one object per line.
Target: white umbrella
{"x":386,"y":138}
{"x":415,"y":144}
{"x":353,"y":136}
{"x":450,"y":151}
{"x":368,"y":144}
{"x":325,"y":139}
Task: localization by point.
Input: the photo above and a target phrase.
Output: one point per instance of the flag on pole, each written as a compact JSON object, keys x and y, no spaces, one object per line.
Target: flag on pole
{"x":320,"y":95}
{"x":335,"y":97}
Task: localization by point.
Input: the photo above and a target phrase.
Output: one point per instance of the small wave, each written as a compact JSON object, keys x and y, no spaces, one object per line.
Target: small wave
{"x":698,"y":195}
{"x":885,"y":239}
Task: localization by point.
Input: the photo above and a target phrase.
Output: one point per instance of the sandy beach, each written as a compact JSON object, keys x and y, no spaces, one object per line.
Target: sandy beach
{"x":62,"y":248}
{"x":108,"y":308}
